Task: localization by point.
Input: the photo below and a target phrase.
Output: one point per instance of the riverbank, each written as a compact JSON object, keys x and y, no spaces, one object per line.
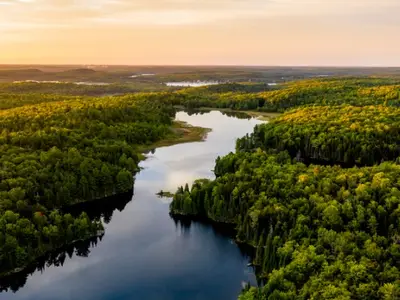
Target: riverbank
{"x":229,"y":225}
{"x":181,"y":132}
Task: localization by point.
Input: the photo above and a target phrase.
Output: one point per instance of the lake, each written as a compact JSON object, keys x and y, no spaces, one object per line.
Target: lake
{"x":192,"y":83}
{"x":145,"y":254}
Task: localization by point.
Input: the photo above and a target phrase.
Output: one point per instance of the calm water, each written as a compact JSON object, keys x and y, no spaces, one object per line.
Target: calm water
{"x":144,"y":253}
{"x":192,"y":83}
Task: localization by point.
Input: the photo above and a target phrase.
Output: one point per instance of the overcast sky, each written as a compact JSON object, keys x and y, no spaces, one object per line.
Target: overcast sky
{"x":235,"y":32}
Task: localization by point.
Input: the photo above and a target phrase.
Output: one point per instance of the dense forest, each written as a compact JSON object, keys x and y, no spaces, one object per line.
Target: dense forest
{"x":162,"y":74}
{"x":55,"y":154}
{"x":320,"y":232}
{"x":353,"y":91}
{"x":237,"y":96}
{"x":46,"y":89}
{"x":315,"y":192}
{"x":332,"y":134}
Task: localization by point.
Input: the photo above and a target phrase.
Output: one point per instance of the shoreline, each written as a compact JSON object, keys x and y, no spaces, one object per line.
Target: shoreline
{"x":260,"y":115}
{"x":228,"y":225}
{"x":99,"y":234}
{"x":182,"y":132}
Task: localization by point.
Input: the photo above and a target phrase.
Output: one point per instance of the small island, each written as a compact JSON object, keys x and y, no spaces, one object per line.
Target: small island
{"x":163,"y":194}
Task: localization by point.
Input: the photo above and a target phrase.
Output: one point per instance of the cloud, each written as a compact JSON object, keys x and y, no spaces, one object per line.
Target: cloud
{"x":135,"y":12}
{"x":48,"y":14}
{"x":164,"y":12}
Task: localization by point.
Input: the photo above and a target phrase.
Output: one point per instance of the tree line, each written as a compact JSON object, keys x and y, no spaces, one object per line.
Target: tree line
{"x":315,"y":192}
{"x":312,"y":92}
{"x":56,"y":154}
{"x":347,"y":135}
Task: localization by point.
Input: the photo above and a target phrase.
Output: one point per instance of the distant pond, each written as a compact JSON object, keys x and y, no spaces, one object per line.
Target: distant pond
{"x":192,"y":83}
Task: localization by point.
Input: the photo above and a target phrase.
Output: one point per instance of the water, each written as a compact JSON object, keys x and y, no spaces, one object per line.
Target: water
{"x":144,"y":253}
{"x":144,"y":74}
{"x":57,"y":81}
{"x":192,"y":83}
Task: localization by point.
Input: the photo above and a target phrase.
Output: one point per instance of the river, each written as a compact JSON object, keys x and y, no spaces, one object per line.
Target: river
{"x":145,"y":254}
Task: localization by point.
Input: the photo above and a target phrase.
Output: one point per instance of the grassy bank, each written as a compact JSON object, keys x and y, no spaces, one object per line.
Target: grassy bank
{"x":181,"y":132}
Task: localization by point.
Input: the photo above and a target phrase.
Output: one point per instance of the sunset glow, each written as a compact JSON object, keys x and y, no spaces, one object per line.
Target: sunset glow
{"x":251,"y":32}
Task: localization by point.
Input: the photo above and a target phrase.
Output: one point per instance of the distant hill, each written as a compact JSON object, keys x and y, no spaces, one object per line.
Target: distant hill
{"x":21,"y":72}
{"x":81,"y":71}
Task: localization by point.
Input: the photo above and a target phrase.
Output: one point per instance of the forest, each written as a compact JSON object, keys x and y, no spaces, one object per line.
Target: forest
{"x":56,"y":154}
{"x":102,"y":209}
{"x":237,"y":96}
{"x":345,"y":135}
{"x":49,"y":89}
{"x":310,"y":92}
{"x":315,"y":192}
{"x":162,"y":74}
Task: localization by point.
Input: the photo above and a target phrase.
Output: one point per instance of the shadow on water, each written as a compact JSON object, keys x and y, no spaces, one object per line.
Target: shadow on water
{"x":102,"y":208}
{"x":224,"y":230}
{"x":96,"y":210}
{"x":57,"y":259}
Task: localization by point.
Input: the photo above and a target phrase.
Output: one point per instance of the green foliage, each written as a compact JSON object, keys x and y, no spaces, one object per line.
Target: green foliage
{"x":55,"y":154}
{"x":37,"y":90}
{"x":23,"y":239}
{"x":321,"y":232}
{"x":315,"y":92}
{"x":332,"y":134}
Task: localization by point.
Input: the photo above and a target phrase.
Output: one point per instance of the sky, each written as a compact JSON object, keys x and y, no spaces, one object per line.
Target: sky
{"x":201,"y":32}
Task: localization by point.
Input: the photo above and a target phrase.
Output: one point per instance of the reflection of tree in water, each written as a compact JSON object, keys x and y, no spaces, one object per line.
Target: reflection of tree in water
{"x":183,"y":224}
{"x":234,"y":114}
{"x":57,"y":259}
{"x":220,"y":230}
{"x":223,"y":230}
{"x":103,"y":208}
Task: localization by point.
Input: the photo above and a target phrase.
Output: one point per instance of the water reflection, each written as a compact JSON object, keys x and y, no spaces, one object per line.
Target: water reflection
{"x":100,"y":209}
{"x":233,"y":114}
{"x":57,"y":259}
{"x":220,"y":230}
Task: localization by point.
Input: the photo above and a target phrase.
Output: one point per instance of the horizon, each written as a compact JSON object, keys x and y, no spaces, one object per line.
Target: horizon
{"x":304,"y":33}
{"x":202,"y":65}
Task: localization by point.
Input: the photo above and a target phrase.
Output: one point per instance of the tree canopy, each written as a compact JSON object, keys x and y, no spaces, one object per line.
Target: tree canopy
{"x":59,"y":153}
{"x":332,"y":134}
{"x":315,"y":191}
